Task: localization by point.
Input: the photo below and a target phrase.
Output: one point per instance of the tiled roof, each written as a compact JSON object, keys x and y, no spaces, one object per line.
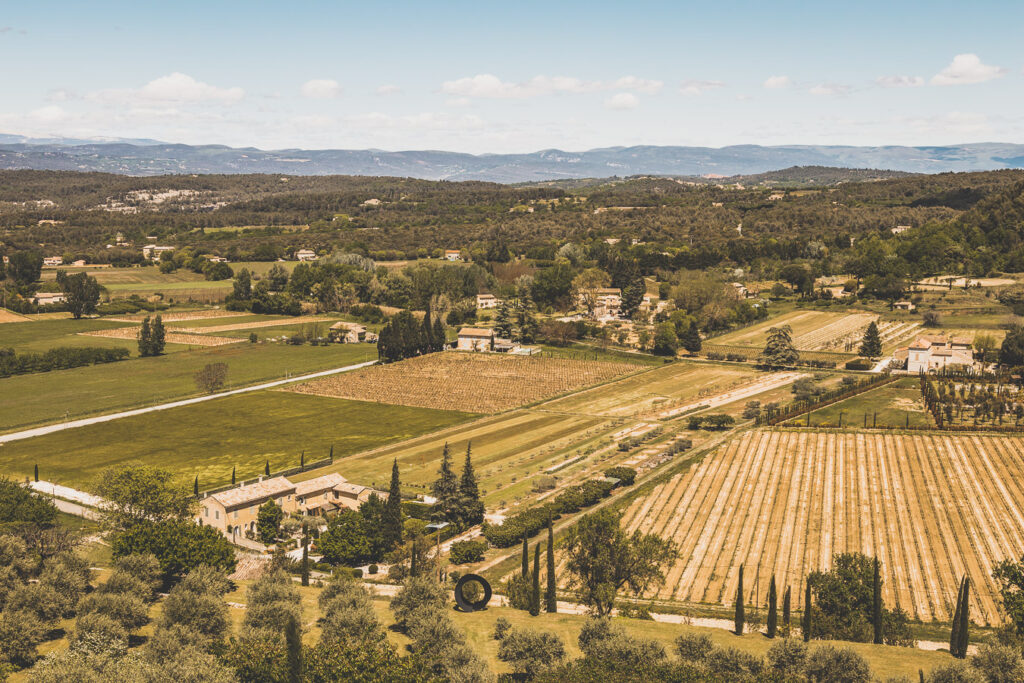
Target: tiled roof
{"x":323,"y":483}
{"x":476,"y":332}
{"x":261,"y":490}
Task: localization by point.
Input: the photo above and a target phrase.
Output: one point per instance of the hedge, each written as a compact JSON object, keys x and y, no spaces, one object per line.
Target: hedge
{"x":532,"y":520}
{"x":60,"y":358}
{"x":626,"y":475}
{"x":463,"y":552}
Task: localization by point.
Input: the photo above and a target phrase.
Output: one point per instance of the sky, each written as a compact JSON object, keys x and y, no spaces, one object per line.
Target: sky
{"x":490,"y":77}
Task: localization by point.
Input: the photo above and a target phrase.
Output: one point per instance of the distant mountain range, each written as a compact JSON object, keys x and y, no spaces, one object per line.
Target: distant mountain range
{"x":151,"y":157}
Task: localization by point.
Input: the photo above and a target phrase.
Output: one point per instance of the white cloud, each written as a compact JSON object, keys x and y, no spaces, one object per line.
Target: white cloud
{"x":699,"y":87}
{"x":622,"y":100}
{"x":777,"y":82}
{"x":388,"y":89}
{"x":830,"y":89}
{"x":900,"y":81}
{"x":60,"y":95}
{"x":49,"y":114}
{"x":458,"y":102}
{"x":175,"y":87}
{"x":490,"y":86}
{"x":966,"y":69}
{"x":321,"y":88}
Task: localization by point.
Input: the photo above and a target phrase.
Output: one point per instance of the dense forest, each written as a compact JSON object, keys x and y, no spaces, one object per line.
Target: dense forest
{"x":962,"y":222}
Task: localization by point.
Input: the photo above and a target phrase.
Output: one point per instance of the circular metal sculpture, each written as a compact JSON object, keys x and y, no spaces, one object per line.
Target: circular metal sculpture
{"x":464,"y":604}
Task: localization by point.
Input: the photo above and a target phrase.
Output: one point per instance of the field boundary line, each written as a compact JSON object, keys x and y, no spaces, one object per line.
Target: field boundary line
{"x":49,"y":429}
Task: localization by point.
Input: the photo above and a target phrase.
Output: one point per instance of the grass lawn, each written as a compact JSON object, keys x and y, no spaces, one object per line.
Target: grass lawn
{"x":40,"y":335}
{"x":894,"y":403}
{"x":208,"y":439}
{"x":46,"y":397}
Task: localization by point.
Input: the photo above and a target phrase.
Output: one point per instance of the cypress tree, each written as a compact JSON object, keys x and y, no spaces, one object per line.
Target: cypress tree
{"x":232,"y":475}
{"x":691,"y":338}
{"x":526,"y":559}
{"x":412,"y":559}
{"x":439,"y":334}
{"x":551,"y":596}
{"x":293,"y":641}
{"x":963,"y":632}
{"x":305,"y":555}
{"x":426,"y":332}
{"x":330,"y":455}
{"x":266,"y":468}
{"x":195,"y":486}
{"x":954,"y":633}
{"x":157,"y":339}
{"x":37,"y":471}
{"x":876,"y":604}
{"x":145,"y":338}
{"x":302,"y":462}
{"x":740,"y":617}
{"x":920,"y":675}
{"x":786,"y":609}
{"x":471,"y":508}
{"x":808,"y":608}
{"x":773,"y":609}
{"x":391,"y":519}
{"x":535,"y":587}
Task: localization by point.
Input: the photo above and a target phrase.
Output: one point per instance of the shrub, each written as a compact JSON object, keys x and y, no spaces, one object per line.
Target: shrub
{"x":59,"y":358}
{"x":788,"y":657}
{"x":827,"y":663}
{"x":859,"y":364}
{"x":501,"y":627}
{"x":729,"y":661}
{"x":955,"y":672}
{"x":357,"y":573}
{"x":463,"y":552}
{"x":999,"y":663}
{"x":626,"y":475}
{"x":372,"y":569}
{"x":97,"y":633}
{"x":531,"y":652}
{"x":693,"y":647}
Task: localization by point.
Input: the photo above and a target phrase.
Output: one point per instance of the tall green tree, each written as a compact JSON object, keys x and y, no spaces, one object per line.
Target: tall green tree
{"x":551,"y":595}
{"x":470,"y":507}
{"x":526,"y":321}
{"x":954,"y":632}
{"x":392,"y":519}
{"x":439,"y":334}
{"x":963,"y":631}
{"x":81,"y":292}
{"x":25,"y":267}
{"x":535,"y":584}
{"x":145,"y":338}
{"x":633,"y":295}
{"x":446,"y":490}
{"x":427,"y":332}
{"x":871,"y":345}
{"x":740,"y":617}
{"x":773,"y":609}
{"x":293,"y":643}
{"x":787,"y":606}
{"x":779,"y":350}
{"x":876,"y":605}
{"x":526,"y":559}
{"x":808,"y":613}
{"x":345,"y":542}
{"x":268,"y":521}
{"x":503,"y":321}
{"x":691,"y":338}
{"x":304,"y":567}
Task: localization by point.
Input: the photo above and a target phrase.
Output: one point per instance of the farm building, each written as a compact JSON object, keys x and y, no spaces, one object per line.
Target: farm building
{"x":235,"y":510}
{"x":47,"y":298}
{"x":452,"y":255}
{"x":351,"y":496}
{"x":900,"y":229}
{"x":475,"y":339}
{"x":904,"y":306}
{"x":349,"y":333}
{"x":152,"y":252}
{"x":53,"y":261}
{"x":315,"y":496}
{"x":935,"y":352}
{"x":305,"y":255}
{"x":607,"y":302}
{"x":484,"y":301}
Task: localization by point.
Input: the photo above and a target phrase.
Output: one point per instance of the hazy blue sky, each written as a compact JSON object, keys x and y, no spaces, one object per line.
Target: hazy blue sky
{"x":514,"y":76}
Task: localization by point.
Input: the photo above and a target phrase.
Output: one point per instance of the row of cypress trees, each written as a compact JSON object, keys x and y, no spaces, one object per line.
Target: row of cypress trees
{"x":403,"y":336}
{"x":550,"y":594}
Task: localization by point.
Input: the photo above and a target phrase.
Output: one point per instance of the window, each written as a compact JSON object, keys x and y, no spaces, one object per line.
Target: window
{"x":206,"y":511}
{"x":216,"y":514}
{"x":236,"y":514}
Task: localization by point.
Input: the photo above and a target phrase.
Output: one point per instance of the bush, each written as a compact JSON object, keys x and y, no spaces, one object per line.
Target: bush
{"x":531,"y":652}
{"x":463,"y":552}
{"x":827,"y":663}
{"x":357,"y":573}
{"x":693,"y":647}
{"x":501,"y":627}
{"x":626,"y":475}
{"x":530,"y":521}
{"x":367,"y":313}
{"x":955,"y":672}
{"x":998,"y":663}
{"x":59,"y":358}
{"x":729,"y":661}
{"x":788,"y":657}
{"x":859,"y":364}
{"x":372,"y":569}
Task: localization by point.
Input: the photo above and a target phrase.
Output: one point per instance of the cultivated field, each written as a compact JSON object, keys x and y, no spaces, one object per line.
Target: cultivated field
{"x":802,"y":322}
{"x":898,"y":404}
{"x":181,"y":316}
{"x":171,"y":336}
{"x":930,"y":507}
{"x":470,"y":382}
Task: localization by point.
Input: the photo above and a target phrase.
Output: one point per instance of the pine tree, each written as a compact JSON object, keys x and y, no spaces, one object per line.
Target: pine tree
{"x":691,"y":338}
{"x":157,"y":337}
{"x":740,"y":617}
{"x":871,"y":345}
{"x":535,"y":586}
{"x":786,"y":609}
{"x":551,"y":596}
{"x":779,"y":350}
{"x":145,"y":338}
{"x":526,"y":321}
{"x":954,"y":634}
{"x":773,"y":609}
{"x":808,"y":609}
{"x":446,"y":491}
{"x":293,"y":642}
{"x":526,"y":559}
{"x":963,"y":632}
{"x":391,"y":519}
{"x":471,"y":508}
{"x":876,"y":604}
{"x":503,"y":321}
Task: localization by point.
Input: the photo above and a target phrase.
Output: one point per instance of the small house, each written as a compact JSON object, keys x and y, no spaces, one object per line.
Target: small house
{"x":306,"y":255}
{"x":347,"y":333}
{"x":900,"y":229}
{"x":452,"y":255}
{"x":234,"y":511}
{"x":937,"y":351}
{"x":48,"y":298}
{"x":53,"y":261}
{"x":475,"y":339}
{"x":351,"y":496}
{"x":316,"y":496}
{"x":904,"y":306}
{"x":484,"y":301}
{"x":152,"y":252}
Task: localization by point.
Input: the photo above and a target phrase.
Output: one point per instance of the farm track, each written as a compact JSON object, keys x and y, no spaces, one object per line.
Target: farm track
{"x":930,"y":507}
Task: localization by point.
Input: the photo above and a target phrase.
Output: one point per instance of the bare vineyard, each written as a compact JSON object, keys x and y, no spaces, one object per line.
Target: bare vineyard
{"x":252,"y":325}
{"x":846,"y":334}
{"x":172,"y":337}
{"x":178,"y":317}
{"x":476,"y":383}
{"x":929,"y":507}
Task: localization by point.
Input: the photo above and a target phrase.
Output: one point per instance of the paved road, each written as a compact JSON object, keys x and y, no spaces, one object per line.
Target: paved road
{"x":49,"y":429}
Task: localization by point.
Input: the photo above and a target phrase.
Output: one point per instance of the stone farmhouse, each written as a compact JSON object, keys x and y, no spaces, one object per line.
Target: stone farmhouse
{"x":452,"y":255}
{"x":484,"y":301}
{"x":475,"y":339}
{"x":234,"y":512}
{"x":350,"y":333}
{"x":929,"y":353}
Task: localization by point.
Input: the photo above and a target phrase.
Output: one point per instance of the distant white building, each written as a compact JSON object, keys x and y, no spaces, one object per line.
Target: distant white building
{"x":935,"y":352}
{"x":452,"y":255}
{"x":484,"y":301}
{"x":53,"y":260}
{"x":46,"y":298}
{"x":900,"y":229}
{"x":306,"y":255}
{"x":152,"y":252}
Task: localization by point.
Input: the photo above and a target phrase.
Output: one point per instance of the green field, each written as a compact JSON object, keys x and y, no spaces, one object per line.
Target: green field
{"x":41,"y":398}
{"x":208,"y":439}
{"x":896,"y":404}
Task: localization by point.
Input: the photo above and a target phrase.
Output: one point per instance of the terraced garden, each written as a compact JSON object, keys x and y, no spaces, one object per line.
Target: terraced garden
{"x":780,"y":502}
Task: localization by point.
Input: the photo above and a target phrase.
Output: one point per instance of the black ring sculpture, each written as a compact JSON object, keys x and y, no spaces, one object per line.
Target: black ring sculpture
{"x":464,"y":604}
